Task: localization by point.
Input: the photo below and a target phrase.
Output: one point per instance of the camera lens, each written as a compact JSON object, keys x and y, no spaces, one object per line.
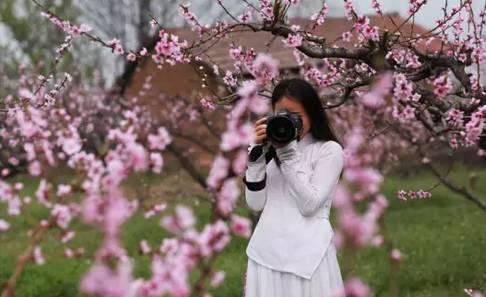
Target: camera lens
{"x":280,"y":130}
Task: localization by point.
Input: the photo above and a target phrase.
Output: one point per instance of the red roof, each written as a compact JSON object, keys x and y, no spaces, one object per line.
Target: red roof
{"x":331,"y":30}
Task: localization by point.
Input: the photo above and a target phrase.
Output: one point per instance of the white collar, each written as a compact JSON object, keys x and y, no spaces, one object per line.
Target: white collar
{"x":306,"y":140}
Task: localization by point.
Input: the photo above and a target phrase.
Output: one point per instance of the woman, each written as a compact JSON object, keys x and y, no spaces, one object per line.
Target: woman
{"x":291,"y":253}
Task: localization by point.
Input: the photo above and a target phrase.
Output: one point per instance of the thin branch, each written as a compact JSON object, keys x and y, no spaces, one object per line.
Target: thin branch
{"x":461,"y":190}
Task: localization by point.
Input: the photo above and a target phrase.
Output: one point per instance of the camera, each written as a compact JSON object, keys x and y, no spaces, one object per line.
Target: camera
{"x":284,"y":126}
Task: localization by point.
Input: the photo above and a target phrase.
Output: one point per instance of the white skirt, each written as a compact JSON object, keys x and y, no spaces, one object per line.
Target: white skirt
{"x":261,"y":281}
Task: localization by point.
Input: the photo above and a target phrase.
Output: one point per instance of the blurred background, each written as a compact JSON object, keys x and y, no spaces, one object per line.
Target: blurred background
{"x":442,"y":239}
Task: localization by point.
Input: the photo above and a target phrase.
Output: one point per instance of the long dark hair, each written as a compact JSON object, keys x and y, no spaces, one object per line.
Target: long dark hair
{"x":303,"y":92}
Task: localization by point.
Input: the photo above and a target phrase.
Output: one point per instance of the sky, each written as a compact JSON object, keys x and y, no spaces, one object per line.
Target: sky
{"x":426,"y":16}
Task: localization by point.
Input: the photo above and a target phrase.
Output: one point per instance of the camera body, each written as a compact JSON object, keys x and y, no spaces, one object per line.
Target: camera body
{"x":284,"y":126}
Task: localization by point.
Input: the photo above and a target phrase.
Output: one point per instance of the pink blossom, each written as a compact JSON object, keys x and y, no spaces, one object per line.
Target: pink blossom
{"x":396,"y":255}
{"x":241,"y":226}
{"x":246,"y":17}
{"x":266,"y":10}
{"x":68,"y":253}
{"x":376,"y":6}
{"x":100,"y":280}
{"x":377,"y":240}
{"x":218,"y":171}
{"x":71,"y":145}
{"x":157,"y":208}
{"x":320,"y":17}
{"x":229,"y":79}
{"x":66,"y":26}
{"x":62,"y":214}
{"x":377,"y":207}
{"x":413,"y":194}
{"x":346,"y":36}
{"x":138,"y":157}
{"x":144,"y":247}
{"x":403,"y":88}
{"x":116,"y":46}
{"x":455,"y":118}
{"x":14,"y":161}
{"x":42,"y":193}
{"x":27,"y":127}
{"x":241,"y":56}
{"x":367,"y":32}
{"x":415,"y":5}
{"x":37,"y":255}
{"x":18,"y":186}
{"x":214,"y":238}
{"x":236,"y":53}
{"x":35,"y":168}
{"x":208,"y":104}
{"x":239,"y":163}
{"x":374,"y":99}
{"x":359,"y":231}
{"x":217,"y":278}
{"x":228,"y":195}
{"x":349,"y":9}
{"x":68,"y":236}
{"x":402,"y":195}
{"x":85,"y":28}
{"x":265,"y":68}
{"x":368,"y":178}
{"x":116,"y":172}
{"x":249,"y":93}
{"x":354,"y":287}
{"x":4,"y":225}
{"x":182,"y":219}
{"x":341,"y":197}
{"x":293,"y":40}
{"x":63,"y":190}
{"x":299,"y":57}
{"x":131,"y":57}
{"x":190,"y":17}
{"x":314,"y":74}
{"x":404,"y":116}
{"x":14,"y":206}
{"x":160,"y":140}
{"x":404,"y":57}
{"x":157,"y":162}
{"x":475,"y":126}
{"x":169,"y":49}
{"x":115,"y":211}
{"x":442,"y":86}
{"x":234,"y":138}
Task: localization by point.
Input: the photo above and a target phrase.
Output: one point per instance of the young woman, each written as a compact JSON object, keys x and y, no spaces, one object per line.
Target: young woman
{"x":291,"y":253}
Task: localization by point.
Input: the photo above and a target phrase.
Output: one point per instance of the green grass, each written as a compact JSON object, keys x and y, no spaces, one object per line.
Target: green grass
{"x":442,"y":239}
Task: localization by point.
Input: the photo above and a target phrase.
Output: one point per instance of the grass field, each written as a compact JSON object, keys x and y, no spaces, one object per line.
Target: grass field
{"x":442,"y":239}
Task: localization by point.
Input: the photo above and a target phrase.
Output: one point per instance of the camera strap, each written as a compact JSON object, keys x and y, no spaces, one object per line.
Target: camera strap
{"x":257,"y":151}
{"x":272,"y":154}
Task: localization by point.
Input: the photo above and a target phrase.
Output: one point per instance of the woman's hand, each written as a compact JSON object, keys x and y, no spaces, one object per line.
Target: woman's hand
{"x":260,"y":131}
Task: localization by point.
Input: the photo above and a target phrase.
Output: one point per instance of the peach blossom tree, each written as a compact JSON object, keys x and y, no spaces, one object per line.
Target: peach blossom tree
{"x":386,"y":95}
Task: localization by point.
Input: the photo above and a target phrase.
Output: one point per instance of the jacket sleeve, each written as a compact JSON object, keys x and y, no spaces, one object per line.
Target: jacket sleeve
{"x":311,"y":189}
{"x":255,"y":181}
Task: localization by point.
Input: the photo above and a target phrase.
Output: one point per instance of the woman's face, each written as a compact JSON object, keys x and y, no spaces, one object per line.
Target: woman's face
{"x":294,"y":106}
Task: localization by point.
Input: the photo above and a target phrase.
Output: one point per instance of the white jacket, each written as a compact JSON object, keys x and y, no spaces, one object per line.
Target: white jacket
{"x":294,"y":231}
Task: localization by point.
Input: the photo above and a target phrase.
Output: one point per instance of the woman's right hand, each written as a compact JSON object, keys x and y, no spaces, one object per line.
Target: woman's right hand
{"x":260,"y":131}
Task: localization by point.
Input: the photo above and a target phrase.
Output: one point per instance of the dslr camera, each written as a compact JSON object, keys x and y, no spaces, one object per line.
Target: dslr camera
{"x":283,"y":126}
